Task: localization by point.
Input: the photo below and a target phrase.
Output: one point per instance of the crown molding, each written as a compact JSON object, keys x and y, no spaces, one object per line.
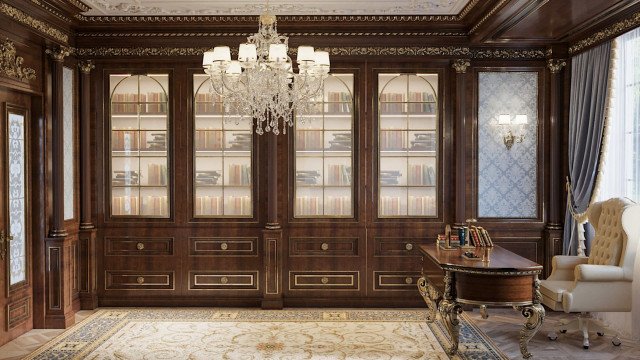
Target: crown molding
{"x":38,"y":25}
{"x":488,"y":15}
{"x":607,"y":33}
{"x":245,"y":34}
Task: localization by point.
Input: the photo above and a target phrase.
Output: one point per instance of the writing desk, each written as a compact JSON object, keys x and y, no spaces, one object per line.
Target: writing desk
{"x":506,"y":279}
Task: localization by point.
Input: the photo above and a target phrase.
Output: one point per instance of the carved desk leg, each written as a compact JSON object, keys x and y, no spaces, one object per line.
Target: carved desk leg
{"x":449,"y":310}
{"x":430,"y":296}
{"x":535,"y":316}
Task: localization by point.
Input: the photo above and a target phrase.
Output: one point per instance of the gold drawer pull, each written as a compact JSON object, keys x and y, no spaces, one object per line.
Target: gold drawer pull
{"x":224,"y":246}
{"x":324,"y":246}
{"x":140,"y":246}
{"x":408,"y":280}
{"x":324,"y":280}
{"x":409,"y":247}
{"x":140,"y":280}
{"x":224,"y":280}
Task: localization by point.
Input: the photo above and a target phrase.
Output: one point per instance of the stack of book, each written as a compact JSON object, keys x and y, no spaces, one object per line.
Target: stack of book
{"x":389,"y":205}
{"x":337,"y":175}
{"x":239,"y":175}
{"x":307,"y":177}
{"x":307,"y":205}
{"x":124,"y":141}
{"x":155,"y":205}
{"x":309,"y":140}
{"x":393,"y":140}
{"x":124,"y":205}
{"x":421,"y":175}
{"x":480,"y":237}
{"x":240,"y":142}
{"x":389,"y":177}
{"x":125,"y":177}
{"x":339,"y":102}
{"x":207,"y":178}
{"x":422,"y":205}
{"x":424,"y":142}
{"x":157,"y":142}
{"x":156,"y":174}
{"x":208,"y":205}
{"x":340,"y":142}
{"x":208,"y":140}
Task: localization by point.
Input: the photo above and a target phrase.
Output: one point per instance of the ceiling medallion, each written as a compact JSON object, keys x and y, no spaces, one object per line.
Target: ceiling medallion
{"x":262,"y":84}
{"x":11,"y":65}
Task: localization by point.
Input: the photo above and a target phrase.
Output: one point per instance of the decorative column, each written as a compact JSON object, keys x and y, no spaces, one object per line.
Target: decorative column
{"x":272,"y":234}
{"x":59,"y":311}
{"x":460,"y":66}
{"x":87,"y":279}
{"x":553,"y":228}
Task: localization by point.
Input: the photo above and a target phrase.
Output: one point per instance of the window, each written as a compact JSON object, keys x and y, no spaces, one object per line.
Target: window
{"x":621,"y":170}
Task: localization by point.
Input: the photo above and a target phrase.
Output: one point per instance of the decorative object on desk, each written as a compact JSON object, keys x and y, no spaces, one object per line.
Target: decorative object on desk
{"x":446,"y":241}
{"x":471,"y":255}
{"x":505,"y":122}
{"x":261,"y":84}
{"x":467,"y":237}
{"x":486,"y":254}
{"x":447,"y":236}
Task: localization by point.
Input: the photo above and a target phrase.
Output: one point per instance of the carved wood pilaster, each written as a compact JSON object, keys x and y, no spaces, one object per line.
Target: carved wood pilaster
{"x":85,"y":144}
{"x":272,"y":266}
{"x":272,"y":183}
{"x":460,"y":66}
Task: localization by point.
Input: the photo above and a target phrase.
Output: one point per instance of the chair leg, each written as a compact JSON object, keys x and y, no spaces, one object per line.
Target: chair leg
{"x":585,"y":323}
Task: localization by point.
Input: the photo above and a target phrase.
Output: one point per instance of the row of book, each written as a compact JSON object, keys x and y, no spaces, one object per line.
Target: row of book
{"x":313,"y":205}
{"x":314,"y":140}
{"x":421,"y":175}
{"x":239,"y":175}
{"x":337,"y":175}
{"x":213,"y":206}
{"x":209,"y":140}
{"x":396,"y":140}
{"x":142,"y":97}
{"x":417,"y":205}
{"x":129,"y":140}
{"x":151,"y":205}
{"x":208,"y":104}
{"x":480,"y":237}
{"x":156,"y":176}
{"x":338,"y":102}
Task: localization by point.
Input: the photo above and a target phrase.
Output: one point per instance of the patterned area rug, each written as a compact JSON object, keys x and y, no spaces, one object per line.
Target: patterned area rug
{"x":292,"y":334}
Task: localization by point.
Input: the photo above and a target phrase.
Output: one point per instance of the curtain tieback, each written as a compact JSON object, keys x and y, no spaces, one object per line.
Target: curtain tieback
{"x":578,"y":217}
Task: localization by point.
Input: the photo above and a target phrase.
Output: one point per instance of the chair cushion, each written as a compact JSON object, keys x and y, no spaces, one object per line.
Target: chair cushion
{"x":608,"y":242}
{"x":554,"y":289}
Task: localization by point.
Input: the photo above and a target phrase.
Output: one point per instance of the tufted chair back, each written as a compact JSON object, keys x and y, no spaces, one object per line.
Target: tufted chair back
{"x":617,"y":233}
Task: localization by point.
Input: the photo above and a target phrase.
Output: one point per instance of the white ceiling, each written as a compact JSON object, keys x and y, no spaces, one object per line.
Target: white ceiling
{"x":278,"y":7}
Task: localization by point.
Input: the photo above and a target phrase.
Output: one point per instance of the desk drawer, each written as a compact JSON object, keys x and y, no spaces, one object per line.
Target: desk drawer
{"x":386,"y":246}
{"x":299,"y":246}
{"x":138,"y":246}
{"x":139,"y":280}
{"x":324,"y":280}
{"x":395,"y":280}
{"x":223,"y":247}
{"x":223,"y":280}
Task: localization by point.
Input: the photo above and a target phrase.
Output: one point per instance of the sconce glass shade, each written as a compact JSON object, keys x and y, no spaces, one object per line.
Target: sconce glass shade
{"x":520,"y":120}
{"x":504,"y":119}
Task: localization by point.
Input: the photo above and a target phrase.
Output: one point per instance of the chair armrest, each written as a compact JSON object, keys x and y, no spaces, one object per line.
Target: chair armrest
{"x":567,"y":262}
{"x":586,"y":272}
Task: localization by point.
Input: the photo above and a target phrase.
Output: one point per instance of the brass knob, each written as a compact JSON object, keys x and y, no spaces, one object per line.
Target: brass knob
{"x":409,"y":247}
{"x":140,"y":280}
{"x":224,"y":280}
{"x":140,"y":246}
{"x":224,"y":246}
{"x":324,"y":279}
{"x":408,"y":280}
{"x":324,"y":246}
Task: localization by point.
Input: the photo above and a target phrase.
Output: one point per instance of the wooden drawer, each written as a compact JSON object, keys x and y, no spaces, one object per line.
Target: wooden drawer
{"x":307,"y":246}
{"x":139,"y":280}
{"x":223,"y":280}
{"x":324,"y":280}
{"x":386,"y":246}
{"x":138,"y":246}
{"x":395,"y":280}
{"x":213,"y":246}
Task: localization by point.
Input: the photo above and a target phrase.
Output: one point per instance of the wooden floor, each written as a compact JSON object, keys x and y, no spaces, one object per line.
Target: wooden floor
{"x":503,"y":326}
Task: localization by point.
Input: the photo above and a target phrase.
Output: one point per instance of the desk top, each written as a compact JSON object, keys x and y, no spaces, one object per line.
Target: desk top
{"x":500,"y":260}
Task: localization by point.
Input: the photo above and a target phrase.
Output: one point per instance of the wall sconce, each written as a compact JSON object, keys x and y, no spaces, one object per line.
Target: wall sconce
{"x":509,"y":137}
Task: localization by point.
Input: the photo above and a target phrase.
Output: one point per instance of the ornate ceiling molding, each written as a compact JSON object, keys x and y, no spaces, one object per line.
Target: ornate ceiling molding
{"x":282,"y":18}
{"x":487,"y":16}
{"x":243,"y":34}
{"x":445,"y":51}
{"x":53,"y":11}
{"x":610,"y":32}
{"x":39,"y":25}
{"x":11,"y":64}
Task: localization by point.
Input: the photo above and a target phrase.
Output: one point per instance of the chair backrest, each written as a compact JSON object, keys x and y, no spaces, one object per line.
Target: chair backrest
{"x":617,"y":225}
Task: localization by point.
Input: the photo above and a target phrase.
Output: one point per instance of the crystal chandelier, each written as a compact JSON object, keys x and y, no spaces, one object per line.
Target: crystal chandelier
{"x":261,"y":84}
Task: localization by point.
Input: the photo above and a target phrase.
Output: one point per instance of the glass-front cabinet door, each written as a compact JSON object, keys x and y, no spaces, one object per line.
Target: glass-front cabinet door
{"x":139,"y":117}
{"x":223,"y":146}
{"x":323,"y":144}
{"x":407,"y":145}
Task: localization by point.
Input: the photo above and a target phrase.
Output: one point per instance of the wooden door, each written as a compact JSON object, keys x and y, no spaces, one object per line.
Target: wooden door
{"x":16,"y":293}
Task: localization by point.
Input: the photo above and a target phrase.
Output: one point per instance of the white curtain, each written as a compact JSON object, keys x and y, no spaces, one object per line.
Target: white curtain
{"x":621,"y":168}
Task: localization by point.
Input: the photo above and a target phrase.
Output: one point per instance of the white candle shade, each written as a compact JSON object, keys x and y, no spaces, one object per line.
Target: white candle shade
{"x":520,"y":119}
{"x":504,"y":119}
{"x":322,"y":58}
{"x":234,"y":68}
{"x":221,"y":53}
{"x":207,"y":59}
{"x":278,"y":52}
{"x":247,"y":52}
{"x":305,"y":53}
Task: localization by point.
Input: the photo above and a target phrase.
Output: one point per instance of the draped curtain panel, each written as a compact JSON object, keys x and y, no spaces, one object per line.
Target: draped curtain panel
{"x":587,"y":110}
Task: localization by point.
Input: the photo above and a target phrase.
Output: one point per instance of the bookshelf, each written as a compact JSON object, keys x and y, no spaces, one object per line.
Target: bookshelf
{"x":223,"y":146}
{"x":139,"y":139}
{"x":407,"y":145}
{"x":323,"y":151}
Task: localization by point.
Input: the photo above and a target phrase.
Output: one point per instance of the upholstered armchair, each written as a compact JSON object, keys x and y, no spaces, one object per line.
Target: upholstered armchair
{"x":601,"y":282}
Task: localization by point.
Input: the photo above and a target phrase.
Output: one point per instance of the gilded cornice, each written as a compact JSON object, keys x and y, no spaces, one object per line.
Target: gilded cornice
{"x":11,"y":64}
{"x":39,"y":25}
{"x":53,"y":11}
{"x":516,"y":54}
{"x":612,"y":31}
{"x":281,"y":18}
{"x":244,"y":34}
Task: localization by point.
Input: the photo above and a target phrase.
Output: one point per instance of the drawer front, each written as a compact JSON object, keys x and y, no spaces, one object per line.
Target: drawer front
{"x":137,"y":246}
{"x":385,"y":246}
{"x":223,"y":280}
{"x":395,"y":280}
{"x":139,"y":280}
{"x":324,"y":280}
{"x":299,"y":246}
{"x":213,"y":246}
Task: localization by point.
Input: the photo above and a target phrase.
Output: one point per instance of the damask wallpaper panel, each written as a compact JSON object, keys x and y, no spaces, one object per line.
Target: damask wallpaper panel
{"x":67,"y":101}
{"x":507,"y":178}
